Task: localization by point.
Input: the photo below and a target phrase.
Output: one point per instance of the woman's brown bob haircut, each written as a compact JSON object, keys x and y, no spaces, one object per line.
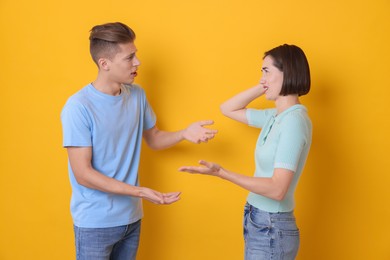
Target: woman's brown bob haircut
{"x":104,"y":39}
{"x":291,"y":60}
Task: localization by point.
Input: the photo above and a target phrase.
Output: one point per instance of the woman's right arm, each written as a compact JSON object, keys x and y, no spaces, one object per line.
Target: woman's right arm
{"x":235,"y":107}
{"x":274,"y":187}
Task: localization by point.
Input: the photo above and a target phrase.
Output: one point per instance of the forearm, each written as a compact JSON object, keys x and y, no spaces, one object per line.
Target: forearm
{"x":275,"y":187}
{"x":98,"y":181}
{"x":195,"y":133}
{"x":93,"y":179}
{"x":241,"y":100}
{"x":164,"y":139}
{"x":267,"y":187}
{"x":85,"y":175}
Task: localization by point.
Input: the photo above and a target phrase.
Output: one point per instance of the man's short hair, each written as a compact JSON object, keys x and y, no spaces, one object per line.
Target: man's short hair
{"x":291,"y":60}
{"x":104,"y":39}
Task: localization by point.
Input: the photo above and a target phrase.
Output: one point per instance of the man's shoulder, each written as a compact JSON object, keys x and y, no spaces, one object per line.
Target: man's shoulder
{"x":77,"y":99}
{"x":135,"y":91}
{"x":81,"y":92}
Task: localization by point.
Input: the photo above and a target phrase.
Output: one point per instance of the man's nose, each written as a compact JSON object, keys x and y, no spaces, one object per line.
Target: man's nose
{"x":136,"y":61}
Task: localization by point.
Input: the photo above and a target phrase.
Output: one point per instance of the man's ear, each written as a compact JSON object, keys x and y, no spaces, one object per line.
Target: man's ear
{"x":104,"y":64}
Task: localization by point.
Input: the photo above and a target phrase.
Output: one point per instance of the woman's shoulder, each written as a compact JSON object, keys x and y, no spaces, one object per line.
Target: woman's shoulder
{"x":296,"y":117}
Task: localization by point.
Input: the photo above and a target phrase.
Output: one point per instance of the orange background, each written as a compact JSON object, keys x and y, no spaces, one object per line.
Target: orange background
{"x":195,"y":55}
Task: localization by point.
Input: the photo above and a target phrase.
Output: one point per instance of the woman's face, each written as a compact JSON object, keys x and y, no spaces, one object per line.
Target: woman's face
{"x":272,"y":79}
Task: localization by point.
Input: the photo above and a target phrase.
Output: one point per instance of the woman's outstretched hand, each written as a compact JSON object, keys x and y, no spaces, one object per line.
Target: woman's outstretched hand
{"x":208,"y":168}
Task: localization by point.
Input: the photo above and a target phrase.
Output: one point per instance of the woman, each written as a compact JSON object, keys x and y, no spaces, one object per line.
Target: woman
{"x":270,"y":230}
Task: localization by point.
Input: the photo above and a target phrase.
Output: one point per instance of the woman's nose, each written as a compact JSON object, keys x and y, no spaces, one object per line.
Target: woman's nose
{"x":262,"y":80}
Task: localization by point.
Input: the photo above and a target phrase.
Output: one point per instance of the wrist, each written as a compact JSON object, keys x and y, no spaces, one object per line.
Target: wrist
{"x":138,"y":192}
{"x":182,"y":135}
{"x":259,"y":90}
{"x":221,"y":173}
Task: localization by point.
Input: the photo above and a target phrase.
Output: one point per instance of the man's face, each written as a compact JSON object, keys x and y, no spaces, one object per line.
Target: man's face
{"x":123,"y":67}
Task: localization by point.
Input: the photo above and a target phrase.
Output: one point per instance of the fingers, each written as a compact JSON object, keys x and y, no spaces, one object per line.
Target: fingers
{"x":160,"y":198}
{"x":171,"y":197}
{"x":190,"y":169}
{"x":206,"y":122}
{"x":172,"y":194}
{"x":210,"y":131}
{"x":197,"y":133}
{"x":207,"y":131}
{"x":156,"y":198}
{"x":207,"y":135}
{"x":210,"y":165}
{"x":205,"y":163}
{"x":207,"y":168}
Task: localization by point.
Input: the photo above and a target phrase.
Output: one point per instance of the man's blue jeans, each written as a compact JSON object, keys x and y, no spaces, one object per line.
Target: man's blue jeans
{"x":114,"y":243}
{"x":270,"y":235}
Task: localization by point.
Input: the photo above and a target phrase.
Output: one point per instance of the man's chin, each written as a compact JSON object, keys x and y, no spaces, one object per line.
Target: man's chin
{"x":128,"y":82}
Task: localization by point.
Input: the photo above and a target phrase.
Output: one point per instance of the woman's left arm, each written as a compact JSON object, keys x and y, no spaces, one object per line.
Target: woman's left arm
{"x":274,"y":187}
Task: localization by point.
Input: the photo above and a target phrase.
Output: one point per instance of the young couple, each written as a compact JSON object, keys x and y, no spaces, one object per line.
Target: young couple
{"x":103,"y":126}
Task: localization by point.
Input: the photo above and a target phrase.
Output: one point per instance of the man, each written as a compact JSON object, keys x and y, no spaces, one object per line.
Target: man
{"x":103,"y":126}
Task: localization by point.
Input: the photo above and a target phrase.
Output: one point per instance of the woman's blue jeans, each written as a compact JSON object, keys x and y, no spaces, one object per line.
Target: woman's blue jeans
{"x":270,"y":235}
{"x":114,"y":243}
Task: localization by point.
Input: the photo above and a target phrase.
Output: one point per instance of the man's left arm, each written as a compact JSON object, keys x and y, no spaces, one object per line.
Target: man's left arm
{"x":195,"y":133}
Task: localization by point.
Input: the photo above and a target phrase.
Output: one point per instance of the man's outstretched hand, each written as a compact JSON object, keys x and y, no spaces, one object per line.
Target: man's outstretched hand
{"x":197,"y":133}
{"x":158,"y":197}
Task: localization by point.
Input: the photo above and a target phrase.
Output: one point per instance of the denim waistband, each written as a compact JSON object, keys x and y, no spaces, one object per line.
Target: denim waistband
{"x":253,"y":208}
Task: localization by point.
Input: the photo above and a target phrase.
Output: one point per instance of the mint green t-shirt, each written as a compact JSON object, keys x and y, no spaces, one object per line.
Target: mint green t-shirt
{"x":284,"y":142}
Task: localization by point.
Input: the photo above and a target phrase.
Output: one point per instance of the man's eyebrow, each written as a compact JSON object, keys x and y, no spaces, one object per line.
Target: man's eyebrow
{"x":130,"y":55}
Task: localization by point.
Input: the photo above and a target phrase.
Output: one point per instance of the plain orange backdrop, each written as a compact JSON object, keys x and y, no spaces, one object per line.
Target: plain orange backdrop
{"x":195,"y":55}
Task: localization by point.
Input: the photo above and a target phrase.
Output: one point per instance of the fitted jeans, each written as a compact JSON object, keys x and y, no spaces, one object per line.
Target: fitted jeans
{"x":114,"y":243}
{"x":270,"y":235}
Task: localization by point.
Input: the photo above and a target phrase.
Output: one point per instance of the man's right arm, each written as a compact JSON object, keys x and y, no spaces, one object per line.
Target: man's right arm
{"x":80,"y":161}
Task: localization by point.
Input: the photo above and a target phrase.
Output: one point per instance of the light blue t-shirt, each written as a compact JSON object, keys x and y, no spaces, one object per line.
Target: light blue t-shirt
{"x":284,"y":142}
{"x":113,"y":127}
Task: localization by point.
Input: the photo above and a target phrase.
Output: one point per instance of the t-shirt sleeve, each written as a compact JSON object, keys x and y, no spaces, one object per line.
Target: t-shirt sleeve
{"x":258,"y":117}
{"x":293,"y":139}
{"x":76,"y":127}
{"x":149,"y":115}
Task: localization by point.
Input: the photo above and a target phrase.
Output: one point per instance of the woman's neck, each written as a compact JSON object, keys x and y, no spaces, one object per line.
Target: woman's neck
{"x":285,"y":102}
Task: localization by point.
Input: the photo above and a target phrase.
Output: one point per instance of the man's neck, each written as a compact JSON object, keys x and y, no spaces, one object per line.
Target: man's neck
{"x":107,"y":87}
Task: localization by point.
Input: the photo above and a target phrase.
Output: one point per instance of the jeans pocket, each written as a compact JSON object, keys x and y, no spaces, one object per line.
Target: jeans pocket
{"x":289,"y":243}
{"x":259,"y":221}
{"x":287,"y":226}
{"x":259,"y":238}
